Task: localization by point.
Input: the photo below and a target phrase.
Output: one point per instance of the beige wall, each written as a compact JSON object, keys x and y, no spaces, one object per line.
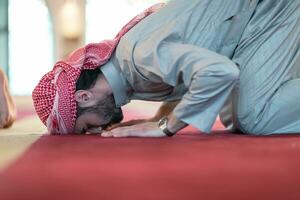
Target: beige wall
{"x":63,"y":45}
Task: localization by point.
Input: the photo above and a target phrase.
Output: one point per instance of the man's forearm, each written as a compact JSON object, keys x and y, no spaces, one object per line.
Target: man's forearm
{"x":164,"y":110}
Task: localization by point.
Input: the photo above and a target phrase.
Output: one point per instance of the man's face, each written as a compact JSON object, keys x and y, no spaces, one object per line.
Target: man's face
{"x":98,"y":117}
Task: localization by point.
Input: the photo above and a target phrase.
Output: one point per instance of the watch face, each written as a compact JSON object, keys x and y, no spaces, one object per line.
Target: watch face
{"x":163,"y":122}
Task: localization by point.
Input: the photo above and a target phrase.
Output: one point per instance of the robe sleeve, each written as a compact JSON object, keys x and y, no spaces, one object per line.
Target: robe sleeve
{"x":209,"y":77}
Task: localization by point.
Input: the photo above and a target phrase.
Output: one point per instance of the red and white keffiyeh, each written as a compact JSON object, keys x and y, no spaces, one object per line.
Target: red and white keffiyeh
{"x":54,"y":96}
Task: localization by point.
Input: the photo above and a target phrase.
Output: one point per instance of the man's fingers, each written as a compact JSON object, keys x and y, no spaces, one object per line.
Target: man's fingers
{"x":112,"y":134}
{"x":106,"y":134}
{"x":118,"y":132}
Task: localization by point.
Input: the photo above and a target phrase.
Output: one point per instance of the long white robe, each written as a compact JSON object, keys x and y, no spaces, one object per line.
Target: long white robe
{"x":198,"y":51}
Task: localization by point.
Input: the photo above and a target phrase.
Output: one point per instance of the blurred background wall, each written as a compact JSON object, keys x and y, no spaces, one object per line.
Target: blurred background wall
{"x":34,"y":34}
{"x":4,"y":35}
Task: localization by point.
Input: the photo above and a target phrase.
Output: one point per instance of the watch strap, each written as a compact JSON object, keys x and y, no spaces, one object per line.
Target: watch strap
{"x":167,"y":132}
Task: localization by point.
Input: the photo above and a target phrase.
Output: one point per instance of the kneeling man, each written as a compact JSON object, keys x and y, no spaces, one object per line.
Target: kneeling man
{"x":236,"y":58}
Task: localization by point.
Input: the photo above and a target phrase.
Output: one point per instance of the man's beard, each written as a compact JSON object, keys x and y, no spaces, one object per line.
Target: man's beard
{"x":107,"y":110}
{"x":110,"y":113}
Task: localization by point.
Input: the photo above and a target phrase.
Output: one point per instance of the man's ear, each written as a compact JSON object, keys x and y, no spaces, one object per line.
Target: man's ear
{"x":84,"y":97}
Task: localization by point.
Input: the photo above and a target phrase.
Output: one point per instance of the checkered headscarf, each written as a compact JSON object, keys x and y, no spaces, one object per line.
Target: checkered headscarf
{"x":54,"y":96}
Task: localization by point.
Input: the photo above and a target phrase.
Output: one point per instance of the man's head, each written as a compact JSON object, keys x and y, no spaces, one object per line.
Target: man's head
{"x":96,"y":108}
{"x":54,"y":96}
{"x":73,"y":100}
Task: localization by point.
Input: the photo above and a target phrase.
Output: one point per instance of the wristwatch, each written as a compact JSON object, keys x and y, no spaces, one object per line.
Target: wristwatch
{"x":162,"y":124}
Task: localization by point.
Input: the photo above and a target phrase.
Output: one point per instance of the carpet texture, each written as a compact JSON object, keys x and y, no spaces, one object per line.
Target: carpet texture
{"x":189,"y":166}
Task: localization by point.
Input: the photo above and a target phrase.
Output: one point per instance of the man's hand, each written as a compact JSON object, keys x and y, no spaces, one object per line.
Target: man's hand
{"x":147,"y":129}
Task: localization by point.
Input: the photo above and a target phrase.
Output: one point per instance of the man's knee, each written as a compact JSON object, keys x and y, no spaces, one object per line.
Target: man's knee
{"x":258,"y":126}
{"x":248,"y":121}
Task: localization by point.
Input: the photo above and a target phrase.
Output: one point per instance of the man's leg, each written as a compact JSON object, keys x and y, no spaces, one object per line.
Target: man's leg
{"x":7,"y":105}
{"x":269,"y":57}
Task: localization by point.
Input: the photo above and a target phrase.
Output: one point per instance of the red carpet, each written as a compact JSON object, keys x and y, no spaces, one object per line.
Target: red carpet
{"x":189,"y":166}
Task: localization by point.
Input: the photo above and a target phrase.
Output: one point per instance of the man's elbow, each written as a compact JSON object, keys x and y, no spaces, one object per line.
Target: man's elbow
{"x":231,"y":72}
